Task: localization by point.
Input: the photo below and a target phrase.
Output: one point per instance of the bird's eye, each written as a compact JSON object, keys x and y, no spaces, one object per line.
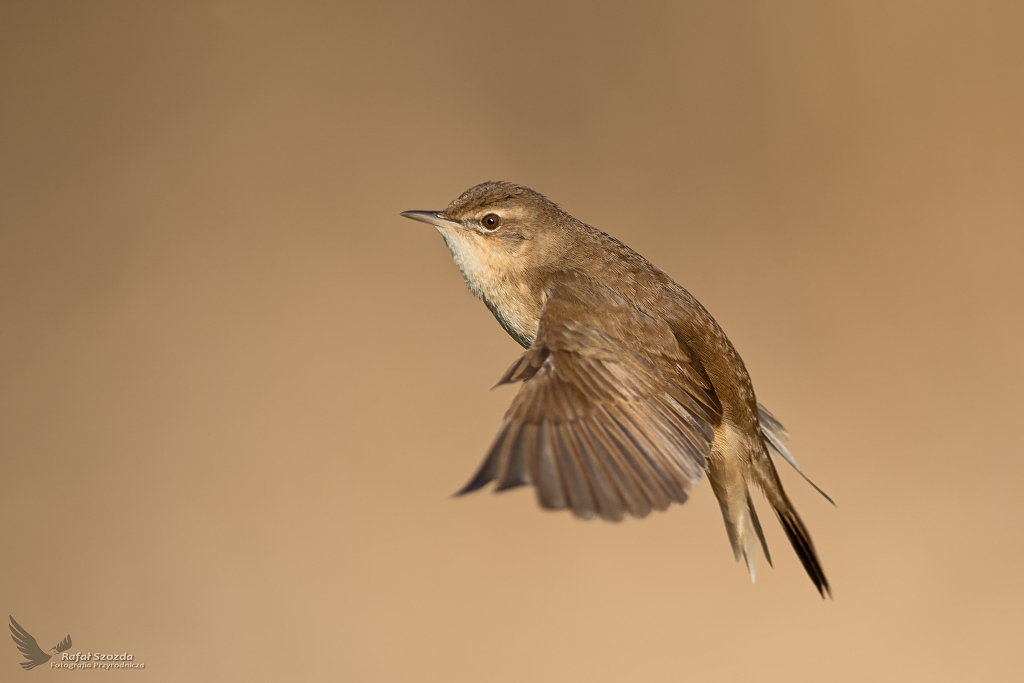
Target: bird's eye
{"x":491,"y":222}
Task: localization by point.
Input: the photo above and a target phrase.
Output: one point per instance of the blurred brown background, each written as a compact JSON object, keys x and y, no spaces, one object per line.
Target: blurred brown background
{"x":237,"y":390}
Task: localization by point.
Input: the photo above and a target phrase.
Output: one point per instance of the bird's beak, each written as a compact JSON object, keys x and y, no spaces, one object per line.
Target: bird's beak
{"x":435,"y":218}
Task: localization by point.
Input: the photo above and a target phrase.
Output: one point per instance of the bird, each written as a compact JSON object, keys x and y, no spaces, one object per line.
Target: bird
{"x":630,"y":392}
{"x":30,"y":648}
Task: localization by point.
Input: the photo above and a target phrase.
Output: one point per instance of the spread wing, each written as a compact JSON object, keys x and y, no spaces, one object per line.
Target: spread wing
{"x":28,"y":646}
{"x":64,"y":644}
{"x":614,"y":416}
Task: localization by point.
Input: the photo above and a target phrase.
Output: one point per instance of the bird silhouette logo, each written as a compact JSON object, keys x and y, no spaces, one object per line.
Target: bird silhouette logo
{"x":30,"y":648}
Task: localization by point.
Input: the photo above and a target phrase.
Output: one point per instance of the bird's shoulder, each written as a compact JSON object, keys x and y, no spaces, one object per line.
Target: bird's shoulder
{"x":587,"y":314}
{"x":584,"y":316}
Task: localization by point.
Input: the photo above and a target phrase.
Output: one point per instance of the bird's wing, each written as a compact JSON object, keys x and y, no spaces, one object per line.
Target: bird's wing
{"x":64,"y":644}
{"x":614,"y":415}
{"x":28,"y":646}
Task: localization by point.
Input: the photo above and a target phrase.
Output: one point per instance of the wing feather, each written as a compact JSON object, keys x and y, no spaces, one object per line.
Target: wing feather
{"x":658,"y":445}
{"x":581,"y":500}
{"x":609,"y":505}
{"x":488,"y":469}
{"x":512,"y":457}
{"x":646,"y":470}
{"x":544,"y":471}
{"x":684,"y":454}
{"x":602,"y":425}
{"x":619,"y":473}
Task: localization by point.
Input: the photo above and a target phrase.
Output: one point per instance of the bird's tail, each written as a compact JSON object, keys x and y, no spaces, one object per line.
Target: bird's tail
{"x":740,"y":517}
{"x":768,"y":479}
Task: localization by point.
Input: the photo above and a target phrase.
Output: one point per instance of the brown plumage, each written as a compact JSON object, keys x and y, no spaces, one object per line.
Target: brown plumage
{"x":630,"y":389}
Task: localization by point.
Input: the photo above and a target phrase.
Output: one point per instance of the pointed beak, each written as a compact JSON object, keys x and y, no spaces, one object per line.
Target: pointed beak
{"x":435,"y":218}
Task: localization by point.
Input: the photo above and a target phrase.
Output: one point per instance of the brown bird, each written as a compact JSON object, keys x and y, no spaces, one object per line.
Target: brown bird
{"x":630,"y":389}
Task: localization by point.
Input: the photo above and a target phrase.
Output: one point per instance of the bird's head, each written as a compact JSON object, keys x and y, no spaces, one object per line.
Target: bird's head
{"x":500,"y":230}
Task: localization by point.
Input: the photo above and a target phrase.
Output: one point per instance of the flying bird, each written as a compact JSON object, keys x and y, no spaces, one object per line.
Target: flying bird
{"x":631,"y":392}
{"x":30,"y":648}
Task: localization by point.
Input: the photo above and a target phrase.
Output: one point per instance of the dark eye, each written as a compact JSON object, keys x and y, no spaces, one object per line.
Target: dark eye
{"x":491,"y":221}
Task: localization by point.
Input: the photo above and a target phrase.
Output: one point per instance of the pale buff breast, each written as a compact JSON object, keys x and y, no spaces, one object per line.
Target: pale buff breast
{"x":491,"y":276}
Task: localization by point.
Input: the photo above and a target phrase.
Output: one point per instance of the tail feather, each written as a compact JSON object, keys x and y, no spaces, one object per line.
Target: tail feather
{"x":756,"y":523}
{"x":741,"y":522}
{"x":775,"y":436}
{"x":767,"y":479}
{"x":804,"y":547}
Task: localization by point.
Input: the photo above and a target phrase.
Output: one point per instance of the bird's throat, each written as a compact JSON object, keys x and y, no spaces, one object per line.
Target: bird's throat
{"x":513,"y":304}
